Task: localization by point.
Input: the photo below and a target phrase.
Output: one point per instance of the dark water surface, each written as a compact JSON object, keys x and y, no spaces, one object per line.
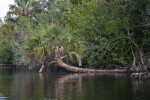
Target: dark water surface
{"x":25,"y":85}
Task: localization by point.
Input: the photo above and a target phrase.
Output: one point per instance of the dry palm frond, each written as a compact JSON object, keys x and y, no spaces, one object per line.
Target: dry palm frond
{"x":77,"y":56}
{"x":58,"y":51}
{"x":61,"y":50}
{"x":31,"y":55}
{"x":57,"y":54}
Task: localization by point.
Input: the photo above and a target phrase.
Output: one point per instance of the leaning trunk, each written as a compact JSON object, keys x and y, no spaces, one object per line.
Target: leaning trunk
{"x":85,"y":70}
{"x":41,"y":69}
{"x":58,"y":51}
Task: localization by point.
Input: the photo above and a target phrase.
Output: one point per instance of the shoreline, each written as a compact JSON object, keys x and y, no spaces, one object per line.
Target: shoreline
{"x":123,"y":70}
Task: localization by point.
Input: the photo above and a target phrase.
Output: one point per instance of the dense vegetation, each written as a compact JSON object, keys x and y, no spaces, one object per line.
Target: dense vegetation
{"x":103,"y":32}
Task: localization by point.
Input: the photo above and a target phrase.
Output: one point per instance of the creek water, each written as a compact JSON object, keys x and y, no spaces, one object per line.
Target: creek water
{"x":26,"y":85}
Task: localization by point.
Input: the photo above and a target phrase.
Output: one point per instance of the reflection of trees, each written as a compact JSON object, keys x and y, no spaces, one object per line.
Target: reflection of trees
{"x":60,"y":83}
{"x":27,"y":86}
{"x":35,"y":86}
{"x":24,"y":85}
{"x":30,"y":85}
{"x":67,"y":81}
{"x":6,"y":81}
{"x":141,"y":89}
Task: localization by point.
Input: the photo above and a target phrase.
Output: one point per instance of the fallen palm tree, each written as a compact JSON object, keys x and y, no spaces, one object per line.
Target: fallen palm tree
{"x":58,"y":51}
{"x":85,"y":70}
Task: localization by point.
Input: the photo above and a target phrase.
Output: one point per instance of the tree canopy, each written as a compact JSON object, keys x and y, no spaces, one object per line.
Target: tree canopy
{"x":102,"y":32}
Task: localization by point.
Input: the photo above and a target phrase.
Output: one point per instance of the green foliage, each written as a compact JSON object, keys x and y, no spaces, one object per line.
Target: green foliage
{"x":102,"y":31}
{"x":103,"y":28}
{"x":26,"y":24}
{"x":6,"y":55}
{"x":46,"y":36}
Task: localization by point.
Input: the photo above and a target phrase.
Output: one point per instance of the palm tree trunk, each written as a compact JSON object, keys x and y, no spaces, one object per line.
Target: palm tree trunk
{"x":85,"y":70}
{"x":41,"y":69}
{"x":57,"y":51}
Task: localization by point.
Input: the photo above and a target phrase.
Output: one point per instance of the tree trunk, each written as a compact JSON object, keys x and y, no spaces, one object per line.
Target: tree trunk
{"x":58,"y":50}
{"x":85,"y":70}
{"x":41,"y":69}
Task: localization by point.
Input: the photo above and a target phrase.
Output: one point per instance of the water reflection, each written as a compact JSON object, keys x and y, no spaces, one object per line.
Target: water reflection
{"x":141,"y":88}
{"x":25,"y":85}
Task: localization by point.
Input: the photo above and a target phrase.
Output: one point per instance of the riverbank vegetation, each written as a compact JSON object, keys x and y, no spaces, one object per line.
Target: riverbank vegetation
{"x":100,"y":33}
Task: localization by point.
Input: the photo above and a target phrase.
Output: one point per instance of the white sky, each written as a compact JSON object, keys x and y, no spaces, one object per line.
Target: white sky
{"x":4,"y":7}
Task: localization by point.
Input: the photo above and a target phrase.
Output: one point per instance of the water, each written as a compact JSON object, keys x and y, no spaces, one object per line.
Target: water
{"x":25,"y":85}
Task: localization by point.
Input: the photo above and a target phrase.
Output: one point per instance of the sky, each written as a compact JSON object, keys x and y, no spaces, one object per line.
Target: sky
{"x":4,"y":7}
